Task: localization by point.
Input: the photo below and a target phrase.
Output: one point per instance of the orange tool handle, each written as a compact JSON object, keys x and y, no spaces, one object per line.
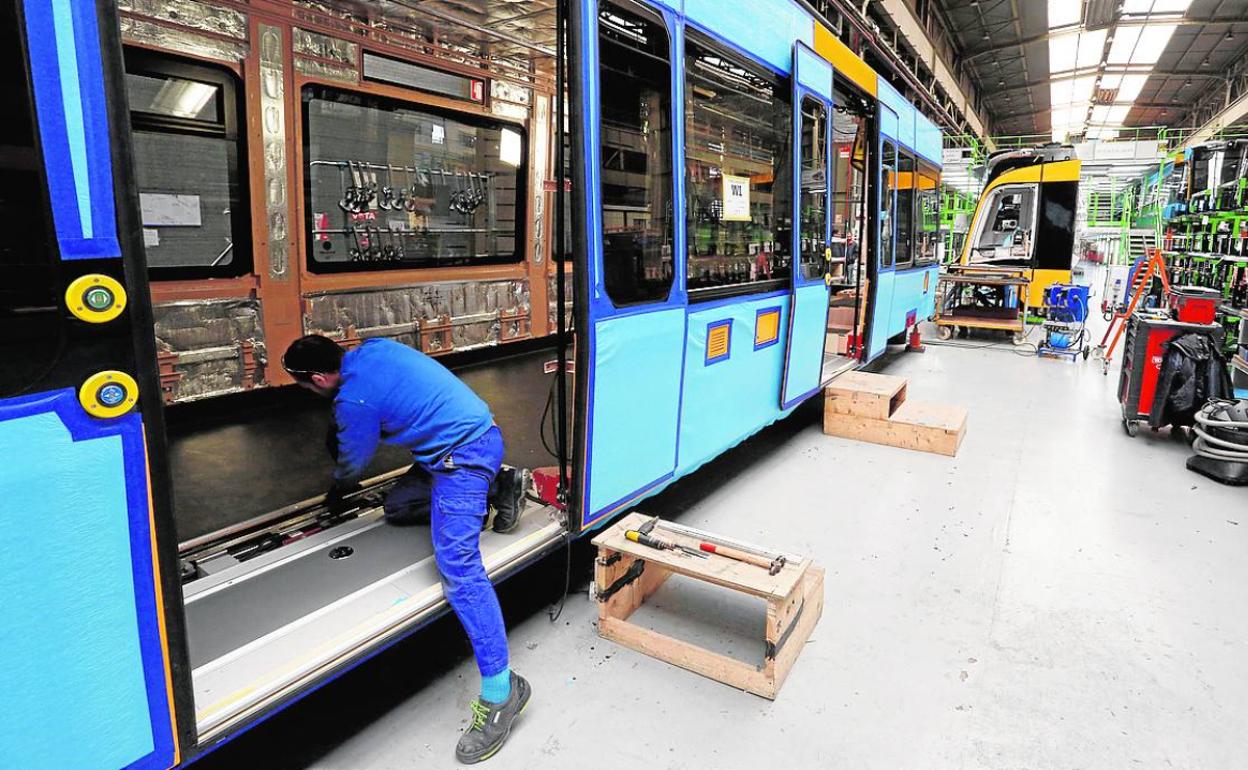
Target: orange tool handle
{"x":733,"y":553}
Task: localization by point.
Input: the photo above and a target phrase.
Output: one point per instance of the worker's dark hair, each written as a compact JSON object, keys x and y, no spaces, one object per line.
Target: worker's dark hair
{"x":311,"y":355}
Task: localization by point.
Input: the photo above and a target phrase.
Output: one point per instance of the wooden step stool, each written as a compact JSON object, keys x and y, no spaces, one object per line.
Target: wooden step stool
{"x":873,"y":407}
{"x":627,"y":573}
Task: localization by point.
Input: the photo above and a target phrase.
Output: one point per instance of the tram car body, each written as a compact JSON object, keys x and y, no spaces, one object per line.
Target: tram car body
{"x":190,"y":188}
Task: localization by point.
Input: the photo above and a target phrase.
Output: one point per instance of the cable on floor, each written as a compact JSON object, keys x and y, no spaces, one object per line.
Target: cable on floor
{"x":1222,"y":431}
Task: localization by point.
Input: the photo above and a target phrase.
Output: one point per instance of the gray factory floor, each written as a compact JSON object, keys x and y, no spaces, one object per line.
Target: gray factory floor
{"x":1057,"y":596}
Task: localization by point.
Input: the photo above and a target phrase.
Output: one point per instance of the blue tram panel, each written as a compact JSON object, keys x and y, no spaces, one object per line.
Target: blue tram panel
{"x":726,"y":385}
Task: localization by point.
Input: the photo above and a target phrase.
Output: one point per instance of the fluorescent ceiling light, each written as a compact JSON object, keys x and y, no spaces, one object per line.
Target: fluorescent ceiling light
{"x":1063,"y":13}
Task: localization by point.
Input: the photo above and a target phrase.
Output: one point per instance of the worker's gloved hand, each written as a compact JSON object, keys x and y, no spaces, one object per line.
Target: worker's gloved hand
{"x":335,"y":498}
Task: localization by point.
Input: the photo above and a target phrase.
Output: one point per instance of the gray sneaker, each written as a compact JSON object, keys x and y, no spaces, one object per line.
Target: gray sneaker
{"x":491,"y":723}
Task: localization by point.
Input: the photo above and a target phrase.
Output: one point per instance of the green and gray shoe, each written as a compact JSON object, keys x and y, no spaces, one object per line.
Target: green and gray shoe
{"x":491,"y":723}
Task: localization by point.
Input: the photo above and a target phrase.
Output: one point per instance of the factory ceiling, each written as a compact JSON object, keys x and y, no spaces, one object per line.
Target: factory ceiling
{"x":1071,"y":69}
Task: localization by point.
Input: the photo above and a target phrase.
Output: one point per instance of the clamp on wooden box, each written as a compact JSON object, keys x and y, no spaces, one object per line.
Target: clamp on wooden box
{"x":628,"y":571}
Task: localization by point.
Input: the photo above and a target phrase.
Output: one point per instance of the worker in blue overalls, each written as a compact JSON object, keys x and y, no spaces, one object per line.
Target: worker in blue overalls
{"x":386,"y":391}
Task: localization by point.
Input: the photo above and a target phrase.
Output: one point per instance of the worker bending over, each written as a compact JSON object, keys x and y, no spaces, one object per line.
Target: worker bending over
{"x":386,"y":391}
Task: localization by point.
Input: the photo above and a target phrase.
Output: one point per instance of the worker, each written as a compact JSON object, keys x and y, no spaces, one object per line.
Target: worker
{"x":386,"y":391}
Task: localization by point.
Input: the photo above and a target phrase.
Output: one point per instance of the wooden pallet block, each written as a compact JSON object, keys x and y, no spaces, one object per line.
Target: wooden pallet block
{"x":865,"y":394}
{"x":627,"y":573}
{"x":937,"y":428}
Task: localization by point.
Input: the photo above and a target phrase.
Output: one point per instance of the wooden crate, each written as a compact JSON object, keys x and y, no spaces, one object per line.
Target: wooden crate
{"x":627,"y":573}
{"x":865,"y":394}
{"x":873,"y":407}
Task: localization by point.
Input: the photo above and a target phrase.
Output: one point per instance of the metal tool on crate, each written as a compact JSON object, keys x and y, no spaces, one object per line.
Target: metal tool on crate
{"x":773,"y":566}
{"x":772,"y":561}
{"x":642,"y":535}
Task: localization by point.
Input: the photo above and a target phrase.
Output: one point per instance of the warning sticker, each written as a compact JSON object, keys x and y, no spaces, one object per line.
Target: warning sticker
{"x":736,"y":198}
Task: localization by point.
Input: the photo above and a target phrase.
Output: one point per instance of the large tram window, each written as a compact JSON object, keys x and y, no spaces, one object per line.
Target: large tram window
{"x":29,"y":306}
{"x":739,"y":185}
{"x":1055,"y":230}
{"x":905,"y":179}
{"x":396,"y":185}
{"x":927,"y":216}
{"x":1004,"y":231}
{"x":888,"y":178}
{"x":636,"y":155}
{"x":813,"y":205}
{"x":849,"y":165}
{"x":188,"y":164}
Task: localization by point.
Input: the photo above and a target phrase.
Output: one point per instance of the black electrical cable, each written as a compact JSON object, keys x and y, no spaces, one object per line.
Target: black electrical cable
{"x":561,"y":384}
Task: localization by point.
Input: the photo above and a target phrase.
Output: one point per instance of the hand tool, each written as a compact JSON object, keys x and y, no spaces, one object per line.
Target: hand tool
{"x":771,"y":565}
{"x":643,"y":536}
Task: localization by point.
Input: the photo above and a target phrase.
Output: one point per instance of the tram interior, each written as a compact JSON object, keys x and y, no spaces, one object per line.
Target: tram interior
{"x":422,"y":175}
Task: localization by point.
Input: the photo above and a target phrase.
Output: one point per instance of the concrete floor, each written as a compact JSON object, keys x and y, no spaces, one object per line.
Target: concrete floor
{"x":1057,"y":596}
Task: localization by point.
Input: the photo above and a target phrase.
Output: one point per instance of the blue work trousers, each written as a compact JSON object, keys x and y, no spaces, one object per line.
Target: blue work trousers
{"x":454,"y":490}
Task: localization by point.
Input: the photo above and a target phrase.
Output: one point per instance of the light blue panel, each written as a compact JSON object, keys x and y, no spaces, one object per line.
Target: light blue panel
{"x":676,"y":5}
{"x":766,"y":29}
{"x":814,"y":72}
{"x":728,"y":401}
{"x":888,"y":123}
{"x":903,"y":129}
{"x":881,"y":313}
{"x":914,"y":291}
{"x":72,"y":668}
{"x":927,"y":139}
{"x":635,"y":404}
{"x":806,"y":342}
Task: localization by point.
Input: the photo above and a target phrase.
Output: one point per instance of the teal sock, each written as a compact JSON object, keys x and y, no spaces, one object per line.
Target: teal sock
{"x":496,"y":688}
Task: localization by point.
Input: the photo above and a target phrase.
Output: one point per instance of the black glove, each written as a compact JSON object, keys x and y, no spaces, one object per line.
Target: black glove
{"x":335,"y":498}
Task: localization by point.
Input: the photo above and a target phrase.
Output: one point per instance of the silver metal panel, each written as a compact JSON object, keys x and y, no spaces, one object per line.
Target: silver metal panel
{"x":240,"y":682}
{"x":224,"y":620}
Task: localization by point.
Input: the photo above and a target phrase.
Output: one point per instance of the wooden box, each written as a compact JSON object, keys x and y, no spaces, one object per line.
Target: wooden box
{"x":873,"y":407}
{"x":627,"y":573}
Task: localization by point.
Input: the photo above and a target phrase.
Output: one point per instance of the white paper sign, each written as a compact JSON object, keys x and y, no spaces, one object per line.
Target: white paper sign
{"x":163,"y":210}
{"x":736,"y":198}
{"x":151,"y":236}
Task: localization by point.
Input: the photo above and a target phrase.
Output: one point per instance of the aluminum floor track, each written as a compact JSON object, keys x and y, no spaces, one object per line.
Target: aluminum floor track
{"x":262,"y":628}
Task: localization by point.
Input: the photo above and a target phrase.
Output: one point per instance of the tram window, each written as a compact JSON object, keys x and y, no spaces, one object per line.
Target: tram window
{"x":188,"y":165}
{"x":813,"y":205}
{"x":904,"y":213}
{"x":1005,"y":229}
{"x":392,"y":185}
{"x":849,"y":164}
{"x":1055,"y":231}
{"x":738,"y":189}
{"x":636,"y":155}
{"x":29,"y":305}
{"x":888,"y":176}
{"x":927,"y":216}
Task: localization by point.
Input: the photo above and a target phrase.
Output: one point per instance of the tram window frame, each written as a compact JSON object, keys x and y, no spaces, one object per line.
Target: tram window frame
{"x":521,"y":204}
{"x":625,"y":260}
{"x":903,"y":210}
{"x":230,"y":106}
{"x":813,"y":243}
{"x":990,"y":210}
{"x":779,"y":238}
{"x":888,"y":183}
{"x":926,"y":251}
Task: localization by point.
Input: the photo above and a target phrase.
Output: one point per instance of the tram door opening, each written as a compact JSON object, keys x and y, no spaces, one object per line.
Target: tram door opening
{"x":847,"y":255}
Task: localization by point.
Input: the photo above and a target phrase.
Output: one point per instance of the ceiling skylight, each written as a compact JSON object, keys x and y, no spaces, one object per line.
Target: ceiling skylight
{"x":1091,"y":91}
{"x":1063,"y":13}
